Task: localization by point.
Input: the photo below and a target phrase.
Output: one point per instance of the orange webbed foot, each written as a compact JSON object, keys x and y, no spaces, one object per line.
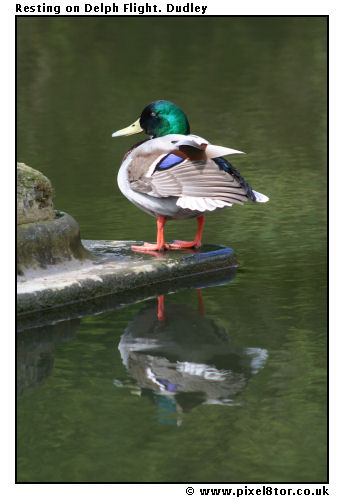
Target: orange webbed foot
{"x":181,"y":245}
{"x":150,"y":247}
{"x":196,"y":243}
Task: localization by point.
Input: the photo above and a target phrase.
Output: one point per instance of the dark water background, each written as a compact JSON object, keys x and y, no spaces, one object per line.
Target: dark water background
{"x":253,"y":84}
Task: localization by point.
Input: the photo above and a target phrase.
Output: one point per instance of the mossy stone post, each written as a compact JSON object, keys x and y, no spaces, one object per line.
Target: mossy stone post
{"x":44,"y":235}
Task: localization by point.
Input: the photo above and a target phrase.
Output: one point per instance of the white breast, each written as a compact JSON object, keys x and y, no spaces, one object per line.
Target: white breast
{"x":153,"y":206}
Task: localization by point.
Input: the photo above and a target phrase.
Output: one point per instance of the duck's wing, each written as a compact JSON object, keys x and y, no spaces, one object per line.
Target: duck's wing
{"x":183,"y":166}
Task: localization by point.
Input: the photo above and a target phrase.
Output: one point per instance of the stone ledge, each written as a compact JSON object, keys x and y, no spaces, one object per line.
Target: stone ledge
{"x":114,"y":271}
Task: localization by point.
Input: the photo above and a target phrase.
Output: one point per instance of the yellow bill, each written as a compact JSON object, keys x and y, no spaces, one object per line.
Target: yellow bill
{"x":135,"y":128}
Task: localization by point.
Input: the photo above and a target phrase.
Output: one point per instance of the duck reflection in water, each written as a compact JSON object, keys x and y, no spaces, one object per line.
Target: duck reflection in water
{"x":179,"y":358}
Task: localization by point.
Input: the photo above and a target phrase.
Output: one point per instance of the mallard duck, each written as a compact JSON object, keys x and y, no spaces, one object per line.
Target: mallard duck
{"x":175,"y":175}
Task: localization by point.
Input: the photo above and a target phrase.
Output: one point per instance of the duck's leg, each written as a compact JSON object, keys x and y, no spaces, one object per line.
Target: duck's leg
{"x":160,"y":245}
{"x":201,"y":307}
{"x":160,"y":312}
{"x":180,"y":245}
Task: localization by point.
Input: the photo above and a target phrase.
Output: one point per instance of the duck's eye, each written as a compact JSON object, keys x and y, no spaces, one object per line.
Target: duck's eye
{"x":153,"y":113}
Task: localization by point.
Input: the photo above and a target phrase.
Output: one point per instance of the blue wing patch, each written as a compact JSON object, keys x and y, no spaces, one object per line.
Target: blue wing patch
{"x":169,"y":161}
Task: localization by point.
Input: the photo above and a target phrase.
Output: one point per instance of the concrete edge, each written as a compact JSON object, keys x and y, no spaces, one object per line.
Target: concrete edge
{"x":127,"y":286}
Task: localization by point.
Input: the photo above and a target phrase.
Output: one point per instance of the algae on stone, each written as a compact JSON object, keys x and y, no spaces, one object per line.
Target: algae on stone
{"x":49,"y":242}
{"x":34,"y":196}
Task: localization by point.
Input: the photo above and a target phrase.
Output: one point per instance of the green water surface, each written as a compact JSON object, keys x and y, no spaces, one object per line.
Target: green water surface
{"x":254,"y":84}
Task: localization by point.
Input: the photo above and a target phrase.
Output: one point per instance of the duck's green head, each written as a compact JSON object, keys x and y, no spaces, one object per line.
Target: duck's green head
{"x":158,"y":119}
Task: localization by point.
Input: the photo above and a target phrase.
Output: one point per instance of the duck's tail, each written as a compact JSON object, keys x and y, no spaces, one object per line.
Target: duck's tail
{"x":260,"y":198}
